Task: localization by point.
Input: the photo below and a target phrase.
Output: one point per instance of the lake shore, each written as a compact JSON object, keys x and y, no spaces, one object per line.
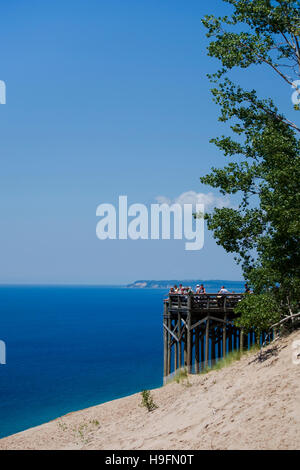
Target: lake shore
{"x":249,"y":405}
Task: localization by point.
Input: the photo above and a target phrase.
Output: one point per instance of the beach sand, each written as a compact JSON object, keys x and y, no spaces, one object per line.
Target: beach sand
{"x":248,"y":405}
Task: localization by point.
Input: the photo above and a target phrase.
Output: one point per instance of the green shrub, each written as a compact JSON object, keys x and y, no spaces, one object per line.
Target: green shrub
{"x":147,"y":400}
{"x":258,"y":311}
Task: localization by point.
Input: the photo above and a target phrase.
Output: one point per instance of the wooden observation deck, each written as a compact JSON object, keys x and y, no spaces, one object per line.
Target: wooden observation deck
{"x":199,"y":329}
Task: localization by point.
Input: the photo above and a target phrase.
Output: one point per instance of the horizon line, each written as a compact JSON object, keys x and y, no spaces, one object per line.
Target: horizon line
{"x":110,"y":284}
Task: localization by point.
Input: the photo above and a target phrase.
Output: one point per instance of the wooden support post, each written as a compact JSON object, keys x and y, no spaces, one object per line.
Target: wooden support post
{"x":219,"y":331}
{"x":246,"y":340}
{"x":197,"y":358}
{"x":257,"y":338}
{"x":250,"y":338}
{"x":189,"y":338}
{"x":241,"y":339}
{"x":230,"y":339}
{"x":224,"y":336}
{"x":213,"y":346}
{"x":169,"y":346}
{"x":175,"y":353}
{"x":185,"y":348}
{"x":202,"y":348}
{"x":179,"y":344}
{"x":206,"y":342}
{"x":235,"y":338}
{"x":273,"y":334}
{"x":165,"y":340}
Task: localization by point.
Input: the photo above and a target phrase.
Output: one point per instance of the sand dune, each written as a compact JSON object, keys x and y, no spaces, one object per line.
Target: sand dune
{"x":250,"y":405}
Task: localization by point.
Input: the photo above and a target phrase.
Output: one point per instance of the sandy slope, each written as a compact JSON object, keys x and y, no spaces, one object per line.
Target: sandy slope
{"x":249,"y":405}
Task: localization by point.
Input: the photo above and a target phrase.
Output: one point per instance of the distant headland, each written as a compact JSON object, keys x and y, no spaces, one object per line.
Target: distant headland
{"x":166,"y":284}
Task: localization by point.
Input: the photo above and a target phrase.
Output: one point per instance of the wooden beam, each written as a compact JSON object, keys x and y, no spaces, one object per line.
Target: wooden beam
{"x":169,"y":346}
{"x":241,"y":339}
{"x":250,"y":338}
{"x":221,"y":320}
{"x":185,"y":348}
{"x":235,"y":337}
{"x":206,"y":342}
{"x":184,"y":322}
{"x":197,"y":358}
{"x":202,"y":349}
{"x":179,"y":336}
{"x":165,"y":341}
{"x":213,"y":345}
{"x":189,"y":338}
{"x":175,"y":356}
{"x":219,"y":342}
{"x":230,"y":339}
{"x":199,"y":323}
{"x":171,"y":332}
{"x":224,"y":337}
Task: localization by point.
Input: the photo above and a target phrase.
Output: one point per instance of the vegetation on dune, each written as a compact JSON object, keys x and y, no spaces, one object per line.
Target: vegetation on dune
{"x":82,"y":431}
{"x":181,"y":376}
{"x":147,"y":400}
{"x":230,"y":358}
{"x":264,"y":150}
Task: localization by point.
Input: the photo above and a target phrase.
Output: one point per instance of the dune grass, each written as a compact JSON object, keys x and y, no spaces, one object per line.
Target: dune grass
{"x":231,"y":357}
{"x":181,"y":375}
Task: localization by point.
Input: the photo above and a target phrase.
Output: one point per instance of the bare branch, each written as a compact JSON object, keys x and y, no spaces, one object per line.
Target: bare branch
{"x":290,"y":317}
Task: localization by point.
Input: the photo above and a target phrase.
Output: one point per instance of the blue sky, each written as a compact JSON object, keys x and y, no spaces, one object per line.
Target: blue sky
{"x":105,"y":98}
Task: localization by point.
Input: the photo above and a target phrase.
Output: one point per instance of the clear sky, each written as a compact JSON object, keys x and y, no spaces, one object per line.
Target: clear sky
{"x":105,"y":98}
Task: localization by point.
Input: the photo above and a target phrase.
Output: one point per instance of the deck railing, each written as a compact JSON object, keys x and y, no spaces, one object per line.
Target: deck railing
{"x":224,"y":302}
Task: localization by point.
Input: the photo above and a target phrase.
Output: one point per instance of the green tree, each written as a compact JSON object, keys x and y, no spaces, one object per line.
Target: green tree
{"x":264,"y":230}
{"x":267,"y":306}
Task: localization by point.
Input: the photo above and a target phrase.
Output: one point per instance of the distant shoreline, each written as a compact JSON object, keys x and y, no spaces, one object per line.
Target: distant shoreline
{"x":166,"y":284}
{"x":161,"y":284}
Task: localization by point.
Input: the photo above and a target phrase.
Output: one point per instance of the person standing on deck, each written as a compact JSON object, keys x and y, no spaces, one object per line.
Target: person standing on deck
{"x":171,"y":291}
{"x":202,"y":289}
{"x":223,"y":290}
{"x":247,"y":289}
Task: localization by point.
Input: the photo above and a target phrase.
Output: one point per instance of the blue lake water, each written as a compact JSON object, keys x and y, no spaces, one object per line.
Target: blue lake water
{"x":69,"y":348}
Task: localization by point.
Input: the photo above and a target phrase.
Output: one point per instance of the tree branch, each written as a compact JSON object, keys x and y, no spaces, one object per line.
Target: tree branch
{"x":276,"y":116}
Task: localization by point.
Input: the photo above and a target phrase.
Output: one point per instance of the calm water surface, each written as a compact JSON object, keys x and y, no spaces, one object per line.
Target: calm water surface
{"x":69,"y":348}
